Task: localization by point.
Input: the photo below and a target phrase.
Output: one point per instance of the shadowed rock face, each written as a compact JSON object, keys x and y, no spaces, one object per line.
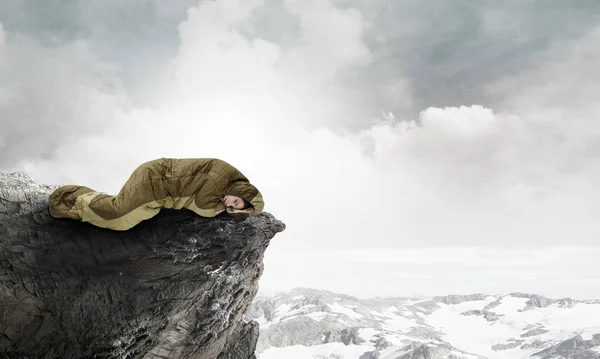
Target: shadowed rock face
{"x":175,"y":286}
{"x":575,"y":348}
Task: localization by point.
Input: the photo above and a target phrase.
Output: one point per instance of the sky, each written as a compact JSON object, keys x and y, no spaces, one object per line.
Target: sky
{"x":411,"y":149}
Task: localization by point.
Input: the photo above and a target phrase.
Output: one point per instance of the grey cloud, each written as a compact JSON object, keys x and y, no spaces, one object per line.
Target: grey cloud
{"x":139,"y":37}
{"x":50,"y":95}
{"x":426,"y":54}
{"x":451,"y":50}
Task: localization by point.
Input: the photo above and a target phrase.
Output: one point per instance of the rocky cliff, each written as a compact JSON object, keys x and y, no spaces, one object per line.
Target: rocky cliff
{"x":175,"y":286}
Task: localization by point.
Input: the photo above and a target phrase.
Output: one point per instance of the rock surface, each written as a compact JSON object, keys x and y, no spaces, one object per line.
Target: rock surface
{"x":487,"y":315}
{"x":175,"y":286}
{"x":575,"y":348}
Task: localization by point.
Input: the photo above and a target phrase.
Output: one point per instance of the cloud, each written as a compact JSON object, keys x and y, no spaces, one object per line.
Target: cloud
{"x":50,"y":95}
{"x":2,"y":45}
{"x":322,"y":25}
{"x":554,"y":271}
{"x":564,"y":83}
{"x":449,"y":51}
{"x":480,"y":257}
{"x":321,"y":121}
{"x":479,"y":176}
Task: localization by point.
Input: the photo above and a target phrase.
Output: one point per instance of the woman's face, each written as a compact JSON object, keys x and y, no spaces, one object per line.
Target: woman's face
{"x":233,"y":202}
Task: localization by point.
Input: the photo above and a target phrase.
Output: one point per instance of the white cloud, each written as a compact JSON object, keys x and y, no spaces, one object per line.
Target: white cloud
{"x":480,"y":257}
{"x":562,"y":271}
{"x":331,"y":40}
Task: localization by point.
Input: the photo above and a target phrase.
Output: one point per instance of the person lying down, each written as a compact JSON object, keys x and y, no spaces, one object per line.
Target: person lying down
{"x":206,"y":186}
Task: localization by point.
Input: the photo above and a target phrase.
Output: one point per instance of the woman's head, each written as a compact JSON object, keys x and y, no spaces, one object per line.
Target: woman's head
{"x":234,"y":202}
{"x":246,"y":195}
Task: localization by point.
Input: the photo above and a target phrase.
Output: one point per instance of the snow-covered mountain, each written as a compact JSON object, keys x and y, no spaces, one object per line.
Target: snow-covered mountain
{"x":307,"y":323}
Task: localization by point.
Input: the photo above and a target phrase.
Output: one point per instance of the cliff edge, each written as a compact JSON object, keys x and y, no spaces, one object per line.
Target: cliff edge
{"x":175,"y":286}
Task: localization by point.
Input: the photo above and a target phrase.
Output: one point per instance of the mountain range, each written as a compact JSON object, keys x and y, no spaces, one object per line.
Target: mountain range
{"x":307,"y":323}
